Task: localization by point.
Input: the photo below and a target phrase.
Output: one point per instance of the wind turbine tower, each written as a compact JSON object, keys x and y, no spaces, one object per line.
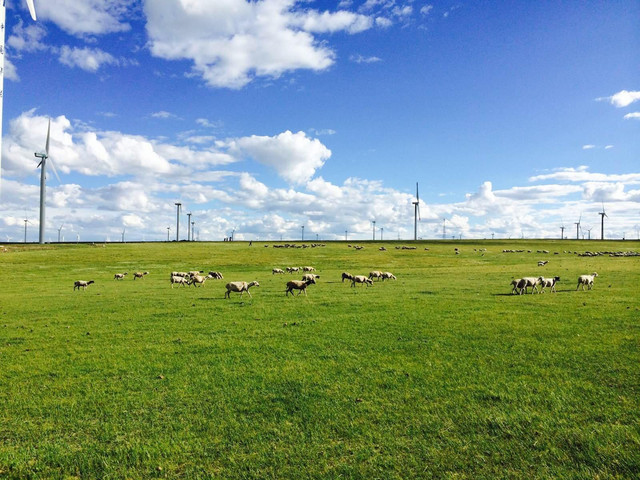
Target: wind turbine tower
{"x":444,"y":228}
{"x":178,"y":207}
{"x":59,"y":230}
{"x":577,"y":224}
{"x":374,"y":229}
{"x":123,"y":235}
{"x":602,"y":215}
{"x":562,"y":231}
{"x":3,"y":14}
{"x":43,"y":183}
{"x":416,"y":214}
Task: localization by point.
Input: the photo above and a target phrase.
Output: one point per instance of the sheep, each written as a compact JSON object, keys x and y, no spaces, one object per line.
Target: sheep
{"x":346,"y":275}
{"x":216,"y":275}
{"x":293,"y":269}
{"x":542,"y":263}
{"x":361,"y":279}
{"x":179,"y":274}
{"x":199,"y":280}
{"x":140,"y":275}
{"x":526,"y":282}
{"x":310,"y":276}
{"x":193,"y":273}
{"x":277,"y":271}
{"x":82,"y":283}
{"x":308,"y":269}
{"x":179,"y":280}
{"x":240,"y":287}
{"x":299,"y":285}
{"x":586,"y":280}
{"x":375,"y":274}
{"x":548,"y":282}
{"x":119,"y":276}
{"x":514,"y":283}
{"x":388,"y":275}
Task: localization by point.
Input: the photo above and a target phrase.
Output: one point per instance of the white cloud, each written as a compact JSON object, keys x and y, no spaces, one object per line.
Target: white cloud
{"x":582,"y":174}
{"x":10,"y":72}
{"x":362,"y":59}
{"x":232,"y":42}
{"x":588,"y":147}
{"x":623,"y":98}
{"x":89,"y":59}
{"x":632,"y":115}
{"x":87,"y":17}
{"x":163,"y":115}
{"x":425,"y":10}
{"x":27,"y":39}
{"x":294,"y":156}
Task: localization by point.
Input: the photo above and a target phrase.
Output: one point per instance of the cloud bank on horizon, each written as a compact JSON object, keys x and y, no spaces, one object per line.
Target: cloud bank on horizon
{"x":262,"y":185}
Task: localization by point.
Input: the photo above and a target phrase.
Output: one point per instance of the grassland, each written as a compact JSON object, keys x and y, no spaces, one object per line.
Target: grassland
{"x":440,"y":374}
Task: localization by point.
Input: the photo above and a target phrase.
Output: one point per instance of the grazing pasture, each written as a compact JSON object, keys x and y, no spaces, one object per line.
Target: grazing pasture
{"x":442,"y":373}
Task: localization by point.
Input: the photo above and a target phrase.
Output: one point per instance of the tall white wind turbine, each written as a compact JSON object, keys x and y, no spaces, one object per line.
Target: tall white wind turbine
{"x":43,"y":182}
{"x":416,"y":214}
{"x":3,"y":26}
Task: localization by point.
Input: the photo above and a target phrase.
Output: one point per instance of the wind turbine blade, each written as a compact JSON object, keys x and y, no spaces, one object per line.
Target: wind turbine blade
{"x":46,"y":148}
{"x":53,"y":167}
{"x":32,"y":9}
{"x":417,"y":196}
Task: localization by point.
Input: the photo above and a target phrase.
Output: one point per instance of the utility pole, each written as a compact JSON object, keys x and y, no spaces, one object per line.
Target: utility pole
{"x":178,"y":206}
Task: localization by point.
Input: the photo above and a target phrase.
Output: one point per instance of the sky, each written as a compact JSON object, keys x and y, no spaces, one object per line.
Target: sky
{"x":263,"y":117}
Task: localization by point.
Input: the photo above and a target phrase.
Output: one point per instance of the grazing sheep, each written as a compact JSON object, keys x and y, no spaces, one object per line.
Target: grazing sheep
{"x":375,"y":274}
{"x":308,"y":269}
{"x":542,"y":263}
{"x":293,"y":269}
{"x":184,"y":281}
{"x":526,"y":282}
{"x":119,"y":276}
{"x":310,"y":276}
{"x":361,"y":279}
{"x":82,"y":283}
{"x":548,"y":282}
{"x":198,"y":280}
{"x":140,"y":275}
{"x":586,"y":280}
{"x":277,"y":271}
{"x":193,"y":273}
{"x":515,"y":284}
{"x":388,"y":276}
{"x":346,"y":275}
{"x":299,"y":285}
{"x":179,"y":274}
{"x":216,"y":275}
{"x":240,"y":287}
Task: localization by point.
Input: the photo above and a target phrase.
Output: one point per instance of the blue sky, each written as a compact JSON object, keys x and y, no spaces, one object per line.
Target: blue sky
{"x":515,"y":118}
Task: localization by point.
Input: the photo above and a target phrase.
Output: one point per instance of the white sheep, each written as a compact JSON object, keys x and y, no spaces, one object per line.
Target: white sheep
{"x":193,"y":273}
{"x":184,"y":281}
{"x":300,"y":285}
{"x":346,"y":275}
{"x":216,"y":275}
{"x":361,"y":279}
{"x":388,"y":276}
{"x":139,"y":274}
{"x":276,"y":271}
{"x":179,"y":274}
{"x":586,"y":280}
{"x":82,"y":284}
{"x":548,"y":282}
{"x":515,"y":284}
{"x":240,"y":287}
{"x":198,"y":280}
{"x":119,"y":276}
{"x":308,"y":269}
{"x":526,"y":282}
{"x":375,"y":274}
{"x":310,"y":276}
{"x":293,"y":269}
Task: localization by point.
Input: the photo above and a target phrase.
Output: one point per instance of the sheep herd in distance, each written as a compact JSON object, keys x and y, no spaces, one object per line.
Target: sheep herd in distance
{"x":519,"y":286}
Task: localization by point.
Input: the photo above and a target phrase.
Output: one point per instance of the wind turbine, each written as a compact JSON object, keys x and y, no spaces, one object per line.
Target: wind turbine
{"x":416,"y":214}
{"x":577,"y":224}
{"x":25,"y":229}
{"x":3,"y":14}
{"x":444,"y":228}
{"x":562,"y":231}
{"x":123,"y":230}
{"x":178,"y":208}
{"x":374,"y":229}
{"x":59,"y":230}
{"x":602,"y":215}
{"x":43,"y":182}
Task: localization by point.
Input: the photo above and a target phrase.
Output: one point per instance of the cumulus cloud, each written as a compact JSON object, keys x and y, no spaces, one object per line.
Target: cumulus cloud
{"x":582,"y":174}
{"x":294,"y":156}
{"x":230,"y":43}
{"x":88,"y":17}
{"x":27,"y":39}
{"x":89,"y":59}
{"x":631,"y":115}
{"x":623,"y":98}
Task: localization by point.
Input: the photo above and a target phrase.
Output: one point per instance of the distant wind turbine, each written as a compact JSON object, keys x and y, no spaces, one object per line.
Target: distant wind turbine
{"x":59,"y":230}
{"x":562,"y":231}
{"x":577,"y":224}
{"x":43,"y":182}
{"x":3,"y":14}
{"x":416,"y":214}
{"x":602,"y":215}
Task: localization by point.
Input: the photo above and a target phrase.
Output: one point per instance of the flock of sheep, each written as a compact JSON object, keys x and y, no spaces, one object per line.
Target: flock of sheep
{"x":196,"y":279}
{"x":520,"y":285}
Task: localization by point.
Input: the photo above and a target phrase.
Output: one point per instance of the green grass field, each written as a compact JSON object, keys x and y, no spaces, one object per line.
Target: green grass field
{"x":440,"y":374}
